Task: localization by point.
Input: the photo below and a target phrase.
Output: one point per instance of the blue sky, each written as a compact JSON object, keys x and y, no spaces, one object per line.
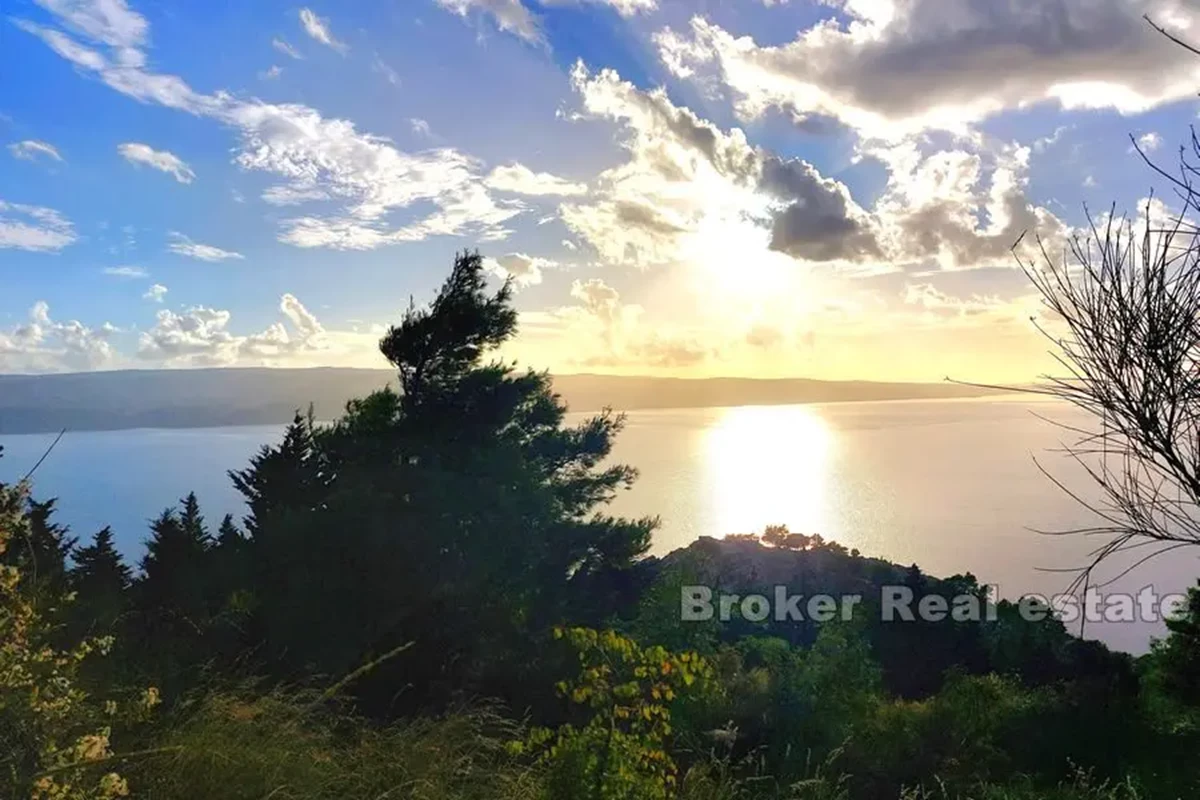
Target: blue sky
{"x":728,"y":187}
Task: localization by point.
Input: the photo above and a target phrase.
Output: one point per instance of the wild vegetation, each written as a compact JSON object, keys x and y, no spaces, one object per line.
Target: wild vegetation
{"x":427,"y":600}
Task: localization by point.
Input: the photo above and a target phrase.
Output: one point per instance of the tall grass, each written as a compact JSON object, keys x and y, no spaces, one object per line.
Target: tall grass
{"x":279,"y":746}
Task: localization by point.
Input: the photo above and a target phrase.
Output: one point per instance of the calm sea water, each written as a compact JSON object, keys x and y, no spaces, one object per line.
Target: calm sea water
{"x":950,"y":485}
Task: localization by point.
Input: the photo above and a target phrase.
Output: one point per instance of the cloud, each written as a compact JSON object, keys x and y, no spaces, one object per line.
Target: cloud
{"x":318,"y":29}
{"x":820,"y":221}
{"x":126,"y":272}
{"x":43,"y":344}
{"x":282,"y":46}
{"x":421,"y":127}
{"x":305,"y":322}
{"x":1150,"y":141}
{"x":895,"y":68}
{"x":34,"y":228}
{"x":314,"y":158}
{"x":692,"y":193}
{"x":513,"y":16}
{"x":929,"y":298}
{"x":688,"y":186}
{"x":519,"y":179}
{"x":959,"y":208}
{"x":200,"y":336}
{"x":522,"y":269}
{"x":380,"y":66}
{"x":510,"y":16}
{"x":923,"y":304}
{"x":184,"y":246}
{"x":291,"y":195}
{"x":163,"y":161}
{"x":32,"y":149}
{"x":1044,"y":143}
{"x":271,"y":73}
{"x":606,"y":332}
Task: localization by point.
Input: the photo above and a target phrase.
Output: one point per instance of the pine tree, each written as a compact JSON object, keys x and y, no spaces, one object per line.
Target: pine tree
{"x":101,"y":580}
{"x":174,"y":599}
{"x":174,"y":566}
{"x":458,"y":512}
{"x":192,"y":520}
{"x":42,"y":552}
{"x":228,"y":534}
{"x":282,"y":479}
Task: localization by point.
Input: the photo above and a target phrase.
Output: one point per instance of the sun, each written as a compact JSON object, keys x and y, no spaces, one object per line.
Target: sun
{"x":770,"y":465}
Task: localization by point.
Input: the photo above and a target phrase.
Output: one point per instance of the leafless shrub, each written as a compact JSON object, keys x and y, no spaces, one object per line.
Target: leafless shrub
{"x":1124,"y":322}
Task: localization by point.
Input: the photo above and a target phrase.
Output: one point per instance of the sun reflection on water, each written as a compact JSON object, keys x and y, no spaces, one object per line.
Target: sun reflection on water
{"x":770,"y":465}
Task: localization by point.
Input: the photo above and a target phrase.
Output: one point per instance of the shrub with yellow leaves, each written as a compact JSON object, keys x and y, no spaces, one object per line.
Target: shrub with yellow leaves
{"x":51,"y":747}
{"x":622,"y":750}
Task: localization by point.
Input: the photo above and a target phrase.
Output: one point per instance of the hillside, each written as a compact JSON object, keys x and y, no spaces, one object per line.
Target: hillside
{"x":219,"y":397}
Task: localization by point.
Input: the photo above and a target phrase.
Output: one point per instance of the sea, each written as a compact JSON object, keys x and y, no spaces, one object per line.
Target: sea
{"x":960,"y":485}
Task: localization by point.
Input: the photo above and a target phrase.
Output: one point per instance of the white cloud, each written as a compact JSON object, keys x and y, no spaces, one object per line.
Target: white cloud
{"x":305,"y":322}
{"x":383,"y":68}
{"x":126,"y":272}
{"x":524,"y":270}
{"x":32,"y":149}
{"x":509,"y":15}
{"x":201,"y":336}
{"x":1044,"y":143}
{"x":156,"y":293}
{"x":270,"y":74}
{"x":513,"y":16}
{"x":282,"y":46}
{"x":1150,"y":141}
{"x":897,"y":68}
{"x":932,"y":207}
{"x":45,"y":345}
{"x":316,"y":157}
{"x":519,"y":179}
{"x":137,"y":153}
{"x":318,"y":29}
{"x":35,"y":228}
{"x":291,"y":195}
{"x":108,"y":21}
{"x":184,"y":246}
{"x":421,"y":127}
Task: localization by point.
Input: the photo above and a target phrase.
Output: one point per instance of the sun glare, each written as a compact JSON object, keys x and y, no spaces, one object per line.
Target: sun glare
{"x":769,"y":465}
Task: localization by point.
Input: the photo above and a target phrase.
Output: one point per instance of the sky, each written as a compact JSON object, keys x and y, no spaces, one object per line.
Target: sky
{"x":758,"y":188}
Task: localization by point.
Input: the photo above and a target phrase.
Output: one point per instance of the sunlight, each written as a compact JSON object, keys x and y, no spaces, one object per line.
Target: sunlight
{"x":767,"y":465}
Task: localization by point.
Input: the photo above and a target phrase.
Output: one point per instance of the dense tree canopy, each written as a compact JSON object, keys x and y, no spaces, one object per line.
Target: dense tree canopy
{"x":457,"y":512}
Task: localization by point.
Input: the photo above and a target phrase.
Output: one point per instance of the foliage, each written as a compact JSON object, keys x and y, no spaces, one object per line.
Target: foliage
{"x":251,"y":744}
{"x":459,"y":513}
{"x":621,"y":751}
{"x":54,"y":743}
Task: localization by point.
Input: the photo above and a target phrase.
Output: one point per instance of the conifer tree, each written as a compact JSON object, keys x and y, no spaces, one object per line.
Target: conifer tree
{"x":228,"y":534}
{"x":42,"y":552}
{"x":101,"y":581}
{"x":174,"y":598}
{"x":458,"y":512}
{"x":173,"y":567}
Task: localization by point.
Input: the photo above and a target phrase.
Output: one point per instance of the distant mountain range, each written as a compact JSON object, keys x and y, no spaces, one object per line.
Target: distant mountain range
{"x":219,"y":397}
